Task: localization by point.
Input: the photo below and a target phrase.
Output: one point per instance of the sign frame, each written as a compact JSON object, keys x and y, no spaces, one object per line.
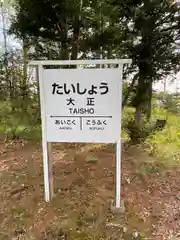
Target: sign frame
{"x":46,"y":146}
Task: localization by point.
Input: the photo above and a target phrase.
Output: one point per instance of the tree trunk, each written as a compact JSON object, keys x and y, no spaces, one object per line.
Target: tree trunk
{"x":138,"y":116}
{"x":38,"y":95}
{"x":149,"y":107}
{"x":144,"y":97}
{"x":25,"y":67}
{"x":64,"y":43}
{"x":109,"y":55}
{"x":64,"y":51}
{"x":75,"y":41}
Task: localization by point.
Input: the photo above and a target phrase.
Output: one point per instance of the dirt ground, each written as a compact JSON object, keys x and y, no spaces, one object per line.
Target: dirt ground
{"x":81,"y":208}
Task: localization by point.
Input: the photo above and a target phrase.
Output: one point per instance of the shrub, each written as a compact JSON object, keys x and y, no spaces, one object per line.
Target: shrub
{"x":16,"y":122}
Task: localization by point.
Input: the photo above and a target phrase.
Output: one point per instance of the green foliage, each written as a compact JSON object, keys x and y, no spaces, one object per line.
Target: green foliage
{"x":166,"y":144}
{"x":163,"y":145}
{"x":69,"y":26}
{"x":151,"y":33}
{"x":146,"y":31}
{"x":132,"y":94}
{"x":19,"y":103}
{"x":147,"y":168}
{"x":16,"y":123}
{"x":127,"y":116}
{"x":91,"y":159}
{"x":171,"y":104}
{"x":139,"y":134}
{"x":135,"y":133}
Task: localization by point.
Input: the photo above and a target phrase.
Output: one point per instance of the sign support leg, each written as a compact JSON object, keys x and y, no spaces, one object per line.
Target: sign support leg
{"x":118,"y":154}
{"x":46,"y":147}
{"x":46,"y":172}
{"x":118,"y":174}
{"x":50,"y":165}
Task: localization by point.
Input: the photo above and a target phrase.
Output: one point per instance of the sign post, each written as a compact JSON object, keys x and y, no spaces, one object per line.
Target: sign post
{"x":80,"y":105}
{"x":46,"y":146}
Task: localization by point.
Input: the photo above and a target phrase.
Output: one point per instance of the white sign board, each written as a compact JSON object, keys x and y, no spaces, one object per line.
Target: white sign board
{"x":82,"y":105}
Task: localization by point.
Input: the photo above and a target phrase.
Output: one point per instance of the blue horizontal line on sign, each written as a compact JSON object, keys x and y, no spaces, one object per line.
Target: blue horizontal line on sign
{"x":81,"y":116}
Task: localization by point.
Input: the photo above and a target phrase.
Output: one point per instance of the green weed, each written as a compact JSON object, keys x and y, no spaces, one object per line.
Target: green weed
{"x":163,"y":145}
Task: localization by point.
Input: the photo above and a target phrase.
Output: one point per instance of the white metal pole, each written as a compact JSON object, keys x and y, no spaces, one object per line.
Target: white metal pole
{"x":118,"y":174}
{"x":119,"y":150}
{"x":44,"y":138}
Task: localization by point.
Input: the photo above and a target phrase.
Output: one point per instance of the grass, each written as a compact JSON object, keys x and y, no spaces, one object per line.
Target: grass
{"x":165,"y":145}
